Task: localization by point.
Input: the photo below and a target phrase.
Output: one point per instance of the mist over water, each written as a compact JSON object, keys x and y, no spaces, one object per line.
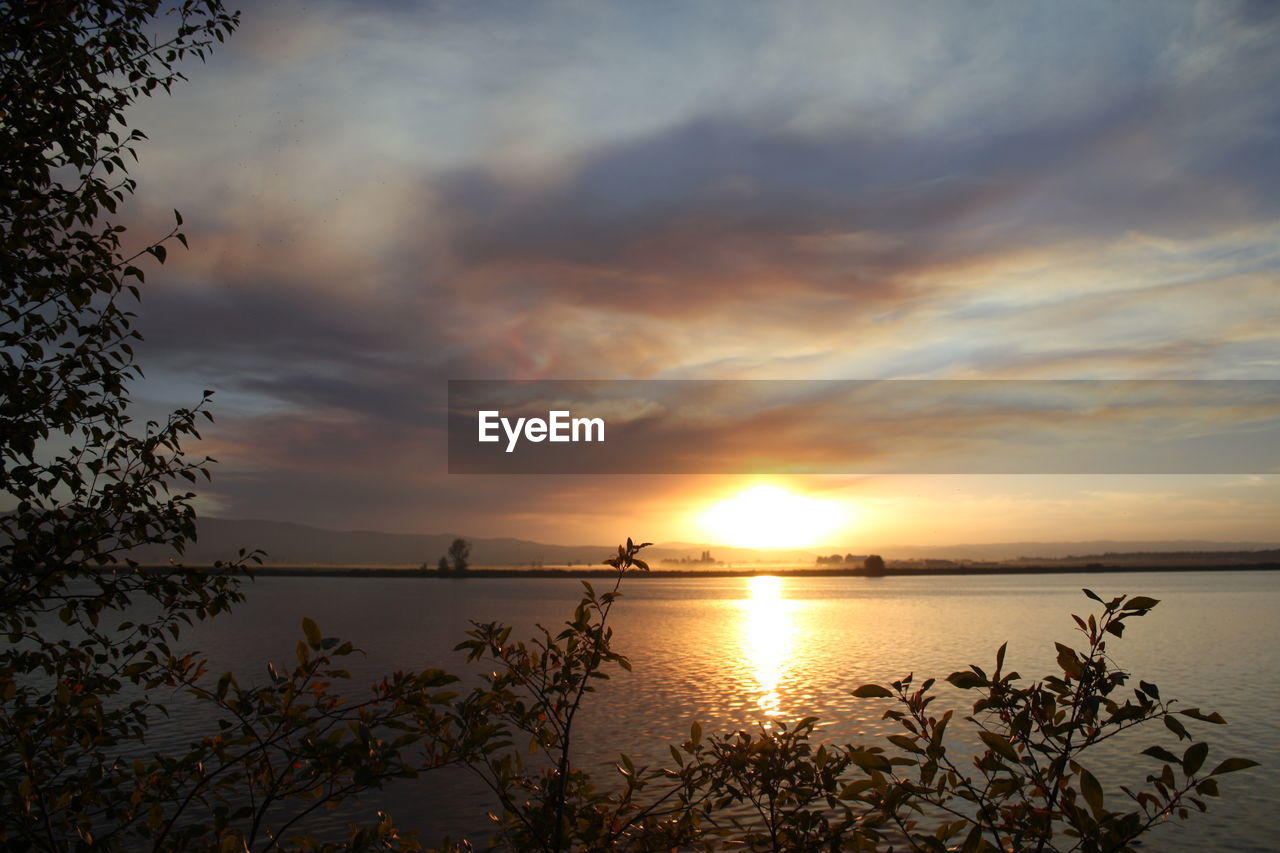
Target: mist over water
{"x":731,"y":653}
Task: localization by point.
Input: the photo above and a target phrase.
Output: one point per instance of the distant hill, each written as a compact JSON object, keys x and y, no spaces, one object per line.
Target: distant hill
{"x":287,"y":543}
{"x":299,"y":544}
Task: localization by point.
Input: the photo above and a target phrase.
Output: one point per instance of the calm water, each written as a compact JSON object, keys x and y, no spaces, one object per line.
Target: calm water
{"x":731,"y":652}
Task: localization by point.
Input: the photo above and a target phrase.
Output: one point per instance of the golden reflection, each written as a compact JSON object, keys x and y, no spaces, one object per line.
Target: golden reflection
{"x":768,"y":635}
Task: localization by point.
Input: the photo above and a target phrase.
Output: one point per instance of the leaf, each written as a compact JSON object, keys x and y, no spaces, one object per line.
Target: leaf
{"x":1231,"y":765}
{"x":1005,"y":786}
{"x":1208,"y":787}
{"x":1092,"y":791}
{"x":906,"y":743}
{"x":1149,"y":689}
{"x":312,"y":631}
{"x":1172,"y":724}
{"x":868,"y":760}
{"x":1093,"y":595}
{"x":966,"y":680}
{"x":853,"y":789}
{"x":939,"y":731}
{"x":872,"y":691}
{"x":1161,"y":753}
{"x":1140,"y":602}
{"x":1197,"y":714}
{"x":232,"y":843}
{"x":973,"y":842}
{"x":1193,"y":758}
{"x":999,"y":744}
{"x":1068,"y":661}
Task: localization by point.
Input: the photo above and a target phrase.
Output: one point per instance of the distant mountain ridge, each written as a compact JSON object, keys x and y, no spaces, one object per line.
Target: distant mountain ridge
{"x":289,"y":543}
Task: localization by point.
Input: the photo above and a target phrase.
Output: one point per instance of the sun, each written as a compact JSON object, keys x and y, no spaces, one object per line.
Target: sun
{"x":767,"y":516}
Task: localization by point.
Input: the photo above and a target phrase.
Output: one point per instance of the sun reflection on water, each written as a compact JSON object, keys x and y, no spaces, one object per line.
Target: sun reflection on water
{"x":768,"y":636}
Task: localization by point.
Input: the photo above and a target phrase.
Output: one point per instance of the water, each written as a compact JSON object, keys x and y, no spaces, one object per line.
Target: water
{"x":730,"y":652}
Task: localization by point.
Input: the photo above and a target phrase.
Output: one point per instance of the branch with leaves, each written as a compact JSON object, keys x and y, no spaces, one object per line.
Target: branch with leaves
{"x":1029,"y":789}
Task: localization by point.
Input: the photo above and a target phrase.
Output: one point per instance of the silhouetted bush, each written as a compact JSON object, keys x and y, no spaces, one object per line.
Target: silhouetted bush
{"x":1014,"y":778}
{"x":89,"y":485}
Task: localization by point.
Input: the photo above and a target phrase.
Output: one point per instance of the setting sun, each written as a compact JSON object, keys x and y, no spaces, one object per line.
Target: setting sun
{"x":767,"y":516}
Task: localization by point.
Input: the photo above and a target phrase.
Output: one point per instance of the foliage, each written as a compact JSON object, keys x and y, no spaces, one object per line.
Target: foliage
{"x":792,"y":792}
{"x":86,"y":488}
{"x":88,"y":662}
{"x":1022,"y":785}
{"x":1030,"y":788}
{"x":535,"y":692}
{"x":292,"y":746}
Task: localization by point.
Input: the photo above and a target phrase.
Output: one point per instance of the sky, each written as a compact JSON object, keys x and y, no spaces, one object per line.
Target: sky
{"x":381,"y":197}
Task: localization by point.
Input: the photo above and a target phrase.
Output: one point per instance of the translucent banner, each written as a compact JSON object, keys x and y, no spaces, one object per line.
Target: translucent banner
{"x":864,"y":427}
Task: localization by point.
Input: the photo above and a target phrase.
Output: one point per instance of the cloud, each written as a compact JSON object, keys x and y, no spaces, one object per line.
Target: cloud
{"x":385,"y":196}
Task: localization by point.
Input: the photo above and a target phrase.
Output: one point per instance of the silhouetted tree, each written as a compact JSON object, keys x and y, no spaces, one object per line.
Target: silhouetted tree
{"x":85,"y":483}
{"x":459,"y":551}
{"x":443,"y":566}
{"x":874,"y":563}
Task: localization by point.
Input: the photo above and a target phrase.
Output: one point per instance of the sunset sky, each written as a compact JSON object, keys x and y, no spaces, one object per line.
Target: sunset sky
{"x":384,"y":196}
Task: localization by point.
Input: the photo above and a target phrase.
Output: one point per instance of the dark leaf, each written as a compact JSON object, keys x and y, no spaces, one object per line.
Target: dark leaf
{"x":872,"y":691}
{"x":1231,"y":765}
{"x":1162,"y":754}
{"x":966,"y":680}
{"x":1194,"y":757}
{"x":312,"y":632}
{"x":999,"y":744}
{"x":1092,"y":792}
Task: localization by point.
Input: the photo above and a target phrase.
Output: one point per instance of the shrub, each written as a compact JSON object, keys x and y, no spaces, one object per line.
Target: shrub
{"x":1022,"y":784}
{"x":88,"y":662}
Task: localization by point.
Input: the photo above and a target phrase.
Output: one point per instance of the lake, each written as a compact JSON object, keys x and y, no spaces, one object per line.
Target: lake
{"x":731,"y":652}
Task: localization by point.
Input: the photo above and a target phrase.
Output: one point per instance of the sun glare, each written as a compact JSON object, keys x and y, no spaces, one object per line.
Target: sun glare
{"x":767,"y":516}
{"x":768,"y":632}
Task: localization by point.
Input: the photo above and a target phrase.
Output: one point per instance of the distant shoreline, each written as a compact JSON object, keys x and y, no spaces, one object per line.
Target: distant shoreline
{"x":728,"y":572}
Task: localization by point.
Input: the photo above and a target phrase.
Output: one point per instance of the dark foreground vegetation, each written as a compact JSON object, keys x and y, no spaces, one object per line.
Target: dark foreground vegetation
{"x":91,"y":655}
{"x":1011,"y":775}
